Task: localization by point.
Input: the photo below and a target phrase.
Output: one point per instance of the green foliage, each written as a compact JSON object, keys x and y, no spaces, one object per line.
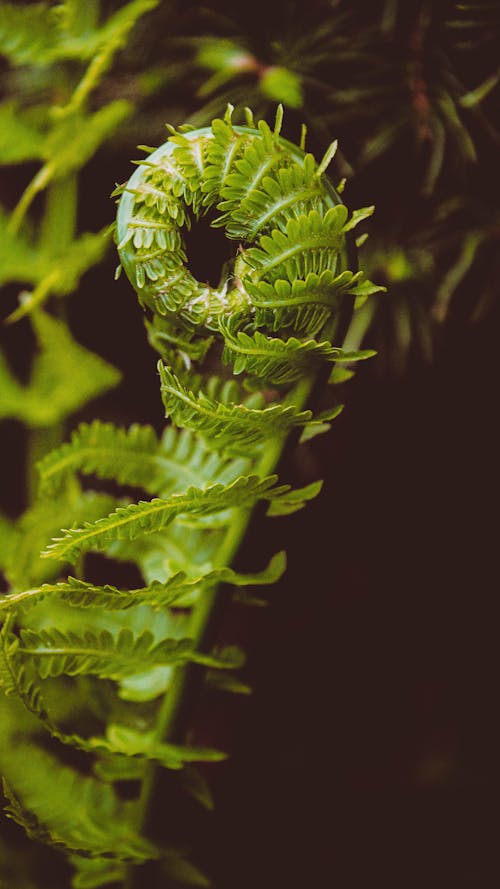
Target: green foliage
{"x":81,"y":594}
{"x":57,"y":805}
{"x":48,"y":398}
{"x":48,"y":34}
{"x":278,"y":361}
{"x":20,"y":139}
{"x":233,"y":427}
{"x":99,"y":681}
{"x":134,"y":456}
{"x":148,"y":516}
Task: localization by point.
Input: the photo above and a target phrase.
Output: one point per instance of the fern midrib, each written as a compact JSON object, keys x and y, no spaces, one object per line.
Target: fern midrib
{"x":120,"y":660}
{"x":281,"y":205}
{"x":312,"y":243}
{"x":279,"y":350}
{"x":263,"y":169}
{"x":307,"y":299}
{"x":228,"y":159}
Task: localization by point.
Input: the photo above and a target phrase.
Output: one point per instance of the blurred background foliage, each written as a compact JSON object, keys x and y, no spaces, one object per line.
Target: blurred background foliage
{"x":411,"y":89}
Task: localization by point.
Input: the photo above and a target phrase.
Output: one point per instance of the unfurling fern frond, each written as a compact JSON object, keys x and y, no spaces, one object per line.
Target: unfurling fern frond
{"x":233,"y":428}
{"x":278,"y":361}
{"x":310,"y":244}
{"x":305,"y":305}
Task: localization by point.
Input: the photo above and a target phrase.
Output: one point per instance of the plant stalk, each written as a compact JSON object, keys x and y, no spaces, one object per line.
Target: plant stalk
{"x":177,"y":705}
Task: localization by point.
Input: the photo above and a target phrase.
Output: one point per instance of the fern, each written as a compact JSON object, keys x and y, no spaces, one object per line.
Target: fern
{"x":55,"y":652}
{"x":135,"y":457}
{"x":278,"y":361}
{"x":148,"y":516}
{"x":305,"y":305}
{"x":81,"y":594}
{"x":77,"y":813}
{"x":38,"y":524}
{"x":134,"y":660}
{"x":231,"y":427}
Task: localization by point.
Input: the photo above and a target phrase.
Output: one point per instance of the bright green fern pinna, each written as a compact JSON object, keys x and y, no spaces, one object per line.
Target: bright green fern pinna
{"x":238,"y":364}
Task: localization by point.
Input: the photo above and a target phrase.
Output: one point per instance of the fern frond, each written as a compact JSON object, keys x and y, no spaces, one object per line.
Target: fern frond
{"x":310,"y":244}
{"x":146,"y":517}
{"x":222,"y":153}
{"x":275,"y":360}
{"x":81,"y":594}
{"x":75,"y":812}
{"x":290,"y":190}
{"x":231,"y":427}
{"x":136,"y":457}
{"x":121,"y":739}
{"x":38,"y":525}
{"x":56,"y":652}
{"x":304,"y":305}
{"x":260,"y":156}
{"x":94,"y":873}
{"x":189,"y":156}
{"x":125,"y":455}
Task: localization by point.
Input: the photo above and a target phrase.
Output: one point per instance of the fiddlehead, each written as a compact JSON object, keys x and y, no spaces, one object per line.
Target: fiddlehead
{"x":289,"y":271}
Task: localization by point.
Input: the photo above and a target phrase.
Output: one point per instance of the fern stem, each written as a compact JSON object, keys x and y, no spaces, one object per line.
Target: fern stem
{"x":176,"y":709}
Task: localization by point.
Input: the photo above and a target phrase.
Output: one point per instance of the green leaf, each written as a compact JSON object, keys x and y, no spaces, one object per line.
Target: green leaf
{"x":271,"y":359}
{"x":282,"y":85}
{"x":135,"y":456}
{"x":57,"y":652}
{"x":20,"y":139}
{"x":232,"y":427}
{"x":78,"y":813}
{"x":309,"y":244}
{"x":41,"y":33}
{"x":284,"y":189}
{"x":226,"y":682}
{"x":65,"y":376}
{"x":145,"y":517}
{"x":195,"y":784}
{"x":294,"y":500}
{"x":81,"y":594}
{"x":305,"y":305}
{"x":93,"y":873}
{"x":133,"y":743}
{"x":19,"y":261}
{"x":75,"y":139}
{"x":39,"y":524}
{"x":6,"y":540}
{"x":27,"y":34}
{"x":176,"y":868}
